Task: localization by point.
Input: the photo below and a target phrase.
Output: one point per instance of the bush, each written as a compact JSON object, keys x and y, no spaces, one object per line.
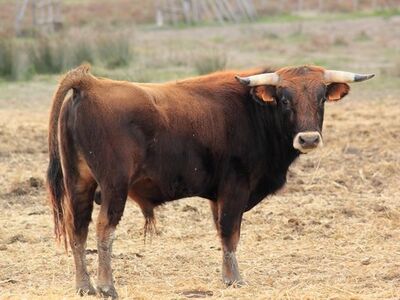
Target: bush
{"x":77,"y":51}
{"x":14,"y":61}
{"x":46,"y":55}
{"x":21,"y":58}
{"x":22,"y":66}
{"x":6,"y":57}
{"x":114,"y":51}
{"x":211,"y":62}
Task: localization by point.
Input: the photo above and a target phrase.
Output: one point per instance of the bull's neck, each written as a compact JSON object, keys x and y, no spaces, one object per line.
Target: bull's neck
{"x":274,"y":135}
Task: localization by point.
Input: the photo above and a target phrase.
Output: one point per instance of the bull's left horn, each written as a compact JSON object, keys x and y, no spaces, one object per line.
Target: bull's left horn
{"x":260,"y":79}
{"x":345,"y":77}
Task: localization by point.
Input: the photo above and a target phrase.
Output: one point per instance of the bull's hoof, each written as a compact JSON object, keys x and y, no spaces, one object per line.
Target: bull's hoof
{"x":236,"y":283}
{"x":107,"y":292}
{"x":86,"y":289}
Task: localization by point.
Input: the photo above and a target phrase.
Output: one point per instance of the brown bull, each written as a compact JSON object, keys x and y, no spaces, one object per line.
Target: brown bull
{"x":224,"y":139}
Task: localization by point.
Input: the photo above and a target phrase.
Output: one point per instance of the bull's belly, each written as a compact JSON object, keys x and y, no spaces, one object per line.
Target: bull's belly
{"x":160,"y":191}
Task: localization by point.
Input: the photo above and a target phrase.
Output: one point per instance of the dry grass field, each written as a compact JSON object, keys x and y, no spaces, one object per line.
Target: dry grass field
{"x":332,"y":232}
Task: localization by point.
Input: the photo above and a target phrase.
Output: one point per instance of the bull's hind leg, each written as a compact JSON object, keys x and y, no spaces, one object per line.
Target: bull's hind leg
{"x":113,"y":199}
{"x":81,"y":190}
{"x":214,"y":211}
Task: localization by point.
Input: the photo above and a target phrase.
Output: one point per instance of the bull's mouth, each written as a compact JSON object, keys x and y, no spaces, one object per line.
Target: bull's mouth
{"x":307,"y":141}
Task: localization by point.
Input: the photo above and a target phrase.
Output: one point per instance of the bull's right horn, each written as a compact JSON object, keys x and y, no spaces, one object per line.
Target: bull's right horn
{"x":346,"y":77}
{"x":260,"y":79}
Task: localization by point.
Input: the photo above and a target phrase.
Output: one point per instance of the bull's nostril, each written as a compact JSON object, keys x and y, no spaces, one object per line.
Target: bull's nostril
{"x":301,"y":141}
{"x":316,"y":140}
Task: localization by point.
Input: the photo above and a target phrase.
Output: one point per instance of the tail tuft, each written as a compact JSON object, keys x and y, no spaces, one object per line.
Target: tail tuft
{"x":149,"y":225}
{"x":56,"y":195}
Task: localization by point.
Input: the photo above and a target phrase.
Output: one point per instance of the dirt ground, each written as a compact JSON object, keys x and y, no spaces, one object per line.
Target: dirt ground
{"x":332,"y":232}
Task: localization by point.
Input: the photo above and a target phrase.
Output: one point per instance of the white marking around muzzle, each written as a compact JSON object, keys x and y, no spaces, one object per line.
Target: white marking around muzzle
{"x":298,"y":146}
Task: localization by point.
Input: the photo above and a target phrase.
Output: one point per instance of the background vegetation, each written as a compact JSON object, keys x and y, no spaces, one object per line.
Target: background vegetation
{"x":104,"y":34}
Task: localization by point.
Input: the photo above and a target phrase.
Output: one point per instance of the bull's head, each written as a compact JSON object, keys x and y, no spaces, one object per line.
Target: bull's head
{"x":300,"y":94}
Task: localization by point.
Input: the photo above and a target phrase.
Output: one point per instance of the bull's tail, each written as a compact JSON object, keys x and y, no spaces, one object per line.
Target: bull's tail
{"x":78,"y":78}
{"x":149,"y":225}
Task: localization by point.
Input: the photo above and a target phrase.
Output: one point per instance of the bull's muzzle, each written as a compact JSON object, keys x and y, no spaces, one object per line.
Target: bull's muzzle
{"x":307,"y":141}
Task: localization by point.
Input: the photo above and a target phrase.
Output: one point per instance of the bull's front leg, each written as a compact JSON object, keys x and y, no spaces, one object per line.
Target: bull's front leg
{"x":231,"y":205}
{"x":230,"y":233}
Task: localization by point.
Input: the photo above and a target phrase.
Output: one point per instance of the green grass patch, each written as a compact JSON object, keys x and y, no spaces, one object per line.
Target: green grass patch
{"x":325,"y":16}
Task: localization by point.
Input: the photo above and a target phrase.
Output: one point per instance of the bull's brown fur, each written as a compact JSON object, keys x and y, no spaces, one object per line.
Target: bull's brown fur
{"x":81,"y":79}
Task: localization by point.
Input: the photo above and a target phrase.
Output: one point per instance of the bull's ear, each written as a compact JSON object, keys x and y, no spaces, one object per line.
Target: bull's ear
{"x":336,"y":91}
{"x":264,"y":94}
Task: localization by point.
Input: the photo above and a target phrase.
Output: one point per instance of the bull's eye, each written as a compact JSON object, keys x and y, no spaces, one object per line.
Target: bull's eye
{"x":285,"y":101}
{"x":322,"y":100}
